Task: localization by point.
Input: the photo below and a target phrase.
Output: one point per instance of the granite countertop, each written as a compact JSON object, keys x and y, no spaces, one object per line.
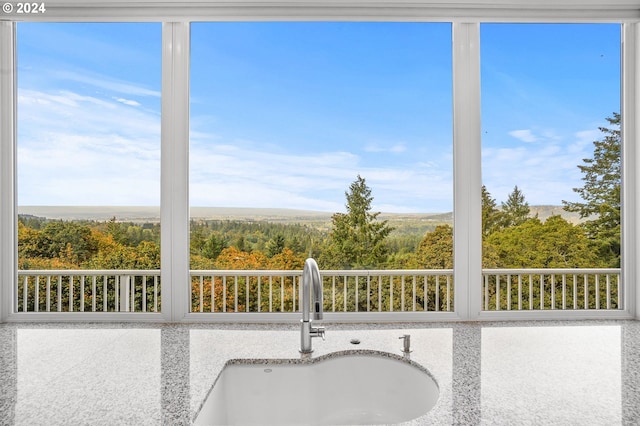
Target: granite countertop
{"x":560,"y":372}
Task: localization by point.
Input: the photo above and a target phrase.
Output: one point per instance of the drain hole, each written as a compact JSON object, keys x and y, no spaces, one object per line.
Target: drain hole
{"x":355,"y":341}
{"x":268,"y":370}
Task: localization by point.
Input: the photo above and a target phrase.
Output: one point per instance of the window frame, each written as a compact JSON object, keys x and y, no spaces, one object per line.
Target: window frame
{"x":176,"y":19}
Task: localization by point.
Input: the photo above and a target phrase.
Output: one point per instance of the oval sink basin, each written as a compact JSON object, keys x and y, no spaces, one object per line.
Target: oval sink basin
{"x":345,"y":388}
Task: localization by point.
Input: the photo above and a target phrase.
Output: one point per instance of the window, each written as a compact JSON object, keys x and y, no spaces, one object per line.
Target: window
{"x":284,"y":117}
{"x":88,"y":164}
{"x":550,"y":97}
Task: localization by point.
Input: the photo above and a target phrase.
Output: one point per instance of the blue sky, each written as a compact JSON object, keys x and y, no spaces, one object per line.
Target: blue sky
{"x":287,"y":115}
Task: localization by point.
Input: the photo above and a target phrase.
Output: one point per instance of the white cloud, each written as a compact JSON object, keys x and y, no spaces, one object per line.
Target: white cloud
{"x":395,"y":149}
{"x":83,"y":150}
{"x":75,"y":149}
{"x":105,"y":82}
{"x":247,"y":175}
{"x":524,"y":135}
{"x":128,"y":102}
{"x":546,"y":174}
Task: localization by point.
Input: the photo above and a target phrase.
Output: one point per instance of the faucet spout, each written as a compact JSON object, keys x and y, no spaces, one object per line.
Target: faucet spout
{"x":311,"y":295}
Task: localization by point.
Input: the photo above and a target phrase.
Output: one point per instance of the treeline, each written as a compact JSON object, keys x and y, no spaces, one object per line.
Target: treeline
{"x":511,"y":239}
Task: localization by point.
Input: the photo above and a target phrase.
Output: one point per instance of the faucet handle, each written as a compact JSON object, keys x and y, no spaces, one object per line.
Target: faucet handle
{"x":317,"y":332}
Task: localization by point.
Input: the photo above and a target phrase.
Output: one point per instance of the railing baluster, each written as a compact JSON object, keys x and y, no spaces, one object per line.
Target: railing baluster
{"x":270,"y":294}
{"x":282,"y":293}
{"x":132,"y":289}
{"x":575,"y":291}
{"x":213,"y":293}
{"x":425,"y":298}
{"x":597,"y":285}
{"x":235,"y":293}
{"x":553,"y":291}
{"x":259,"y":298}
{"x":48,"y":293}
{"x":116,"y":283}
{"x":356,"y":294}
{"x":541,"y":291}
{"x":25,"y":293}
{"x":105,"y":298}
{"x":36,"y":296}
{"x":155,"y":294}
{"x":224,"y":293}
{"x":608,"y":291}
{"x":246,"y":294}
{"x":59,"y":293}
{"x":564,"y":291}
{"x":414,"y":293}
{"x":70,"y":293}
{"x":93,"y":293}
{"x":201,"y":293}
{"x":402,"y":294}
{"x":82,"y":293}
{"x":508,"y":292}
{"x":531,"y":292}
{"x":519,"y":292}
{"x":486,"y":292}
{"x":449,"y":277}
{"x":368,"y":293}
{"x":379,"y":293}
{"x":497,"y":292}
{"x":586,"y":291}
{"x":437,"y":300}
{"x":344,"y":294}
{"x":333,"y":293}
{"x":390,"y":293}
{"x":144,"y":293}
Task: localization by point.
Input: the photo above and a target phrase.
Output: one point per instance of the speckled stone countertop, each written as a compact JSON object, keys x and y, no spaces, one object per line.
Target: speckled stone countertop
{"x":515,"y":373}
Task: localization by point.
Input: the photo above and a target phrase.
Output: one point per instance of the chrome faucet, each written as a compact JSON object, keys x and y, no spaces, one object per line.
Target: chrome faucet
{"x":311,"y":285}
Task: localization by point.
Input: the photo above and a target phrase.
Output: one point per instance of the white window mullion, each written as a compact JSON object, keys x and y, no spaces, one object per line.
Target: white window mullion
{"x":174,"y":202}
{"x":630,"y":162}
{"x":467,"y":219}
{"x":8,"y":238}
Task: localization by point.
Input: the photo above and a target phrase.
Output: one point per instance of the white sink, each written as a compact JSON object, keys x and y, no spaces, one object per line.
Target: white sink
{"x":345,"y":388}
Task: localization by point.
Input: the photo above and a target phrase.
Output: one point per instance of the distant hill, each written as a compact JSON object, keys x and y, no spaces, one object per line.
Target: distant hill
{"x":316,"y":218}
{"x":544,"y":212}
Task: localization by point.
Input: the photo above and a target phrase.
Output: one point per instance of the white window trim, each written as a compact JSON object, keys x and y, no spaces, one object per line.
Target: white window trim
{"x":466,"y":22}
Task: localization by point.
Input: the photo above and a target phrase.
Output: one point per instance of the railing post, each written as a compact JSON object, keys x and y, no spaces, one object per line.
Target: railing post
{"x":124,"y":302}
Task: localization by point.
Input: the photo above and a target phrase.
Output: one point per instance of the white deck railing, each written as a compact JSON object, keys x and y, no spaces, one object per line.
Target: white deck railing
{"x":344,"y":290}
{"x":255,"y":291}
{"x":88,"y":291}
{"x":541,"y":289}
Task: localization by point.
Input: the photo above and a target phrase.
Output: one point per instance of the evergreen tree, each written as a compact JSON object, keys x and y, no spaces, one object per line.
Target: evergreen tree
{"x":515,"y":210}
{"x":275,"y":245}
{"x":213,"y":246}
{"x":358,"y":238}
{"x":601,"y":192}
{"x":490,"y":214}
